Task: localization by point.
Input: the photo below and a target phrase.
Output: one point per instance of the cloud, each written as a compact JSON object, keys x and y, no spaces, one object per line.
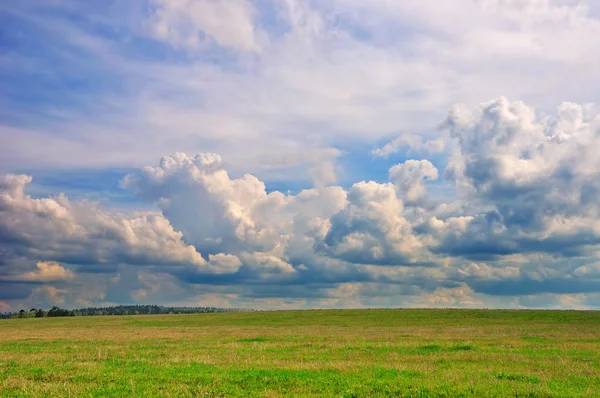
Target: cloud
{"x":222,"y":219}
{"x":250,"y":79}
{"x":268,"y":263}
{"x":409,"y":176}
{"x":560,"y":301}
{"x":531,"y":179}
{"x":188,"y":24}
{"x":56,"y":229}
{"x":219,"y":214}
{"x":447,"y":298}
{"x":4,"y":307}
{"x":371,"y":229}
{"x":49,"y":294}
{"x":523,"y":222}
{"x":323,"y":173}
{"x":215,"y":229}
{"x":47,"y":271}
{"x":411,"y":141}
{"x":287,"y":92}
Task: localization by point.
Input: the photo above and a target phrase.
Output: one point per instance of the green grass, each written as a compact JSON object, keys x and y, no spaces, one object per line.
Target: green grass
{"x":358,"y":353}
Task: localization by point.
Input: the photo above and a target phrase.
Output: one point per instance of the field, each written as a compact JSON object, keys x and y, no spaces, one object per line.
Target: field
{"x":353,"y":353}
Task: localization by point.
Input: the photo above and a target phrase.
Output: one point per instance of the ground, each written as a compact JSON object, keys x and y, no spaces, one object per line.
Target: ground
{"x":351,"y":353}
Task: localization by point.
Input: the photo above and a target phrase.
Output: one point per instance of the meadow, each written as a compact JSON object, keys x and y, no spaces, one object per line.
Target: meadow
{"x":346,"y":353}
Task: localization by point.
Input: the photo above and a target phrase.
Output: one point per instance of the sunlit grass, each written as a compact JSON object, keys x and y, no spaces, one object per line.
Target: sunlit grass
{"x":411,"y":353}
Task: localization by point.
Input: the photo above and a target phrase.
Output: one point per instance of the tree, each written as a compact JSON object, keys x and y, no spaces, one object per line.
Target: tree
{"x":54,"y":311}
{"x":114,"y":310}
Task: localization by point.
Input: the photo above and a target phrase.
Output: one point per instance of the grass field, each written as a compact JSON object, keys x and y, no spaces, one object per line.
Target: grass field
{"x":411,"y":353}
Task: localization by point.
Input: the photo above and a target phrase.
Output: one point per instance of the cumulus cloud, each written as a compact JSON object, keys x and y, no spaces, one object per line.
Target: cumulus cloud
{"x":533,"y":180}
{"x":80,"y":232}
{"x":524,"y":222}
{"x":373,"y":228}
{"x":222,"y":219}
{"x":277,"y":88}
{"x":210,"y":223}
{"x":409,"y":177}
{"x":46,"y":271}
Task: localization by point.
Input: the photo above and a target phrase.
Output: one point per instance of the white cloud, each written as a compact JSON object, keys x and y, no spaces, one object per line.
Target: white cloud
{"x":538,"y":174}
{"x":222,"y":215}
{"x":524,"y":223}
{"x":411,"y":141}
{"x":185,"y":23}
{"x":298,"y":76}
{"x":277,"y":87}
{"x":79,"y":232}
{"x":225,"y":262}
{"x":372,"y":229}
{"x":409,"y":177}
{"x":268,"y":263}
{"x":588,"y":270}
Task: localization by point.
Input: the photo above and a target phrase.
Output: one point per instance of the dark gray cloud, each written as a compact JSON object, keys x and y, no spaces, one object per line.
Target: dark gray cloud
{"x":527,"y":286}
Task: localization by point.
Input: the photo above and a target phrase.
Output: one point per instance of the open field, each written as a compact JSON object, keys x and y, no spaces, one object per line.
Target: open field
{"x":412,"y":353}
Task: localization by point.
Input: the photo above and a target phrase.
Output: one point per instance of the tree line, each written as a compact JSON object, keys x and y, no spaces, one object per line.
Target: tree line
{"x":114,"y":310}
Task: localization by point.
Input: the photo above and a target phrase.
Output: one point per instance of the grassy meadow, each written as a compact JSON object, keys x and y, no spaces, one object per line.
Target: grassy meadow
{"x":351,"y":353}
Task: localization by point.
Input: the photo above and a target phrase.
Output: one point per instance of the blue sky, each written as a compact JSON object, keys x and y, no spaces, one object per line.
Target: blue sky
{"x":271,"y":154}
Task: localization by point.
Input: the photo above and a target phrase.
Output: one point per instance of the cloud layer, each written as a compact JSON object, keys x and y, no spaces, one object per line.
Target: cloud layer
{"x":524,"y":223}
{"x":315,"y":154}
{"x":251,"y":79}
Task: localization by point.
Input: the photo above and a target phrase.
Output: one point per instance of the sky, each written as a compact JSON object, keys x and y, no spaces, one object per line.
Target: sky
{"x":290,"y":154}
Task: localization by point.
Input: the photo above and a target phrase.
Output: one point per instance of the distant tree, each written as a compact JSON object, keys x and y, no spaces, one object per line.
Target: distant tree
{"x":56,"y":311}
{"x":116,"y":310}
